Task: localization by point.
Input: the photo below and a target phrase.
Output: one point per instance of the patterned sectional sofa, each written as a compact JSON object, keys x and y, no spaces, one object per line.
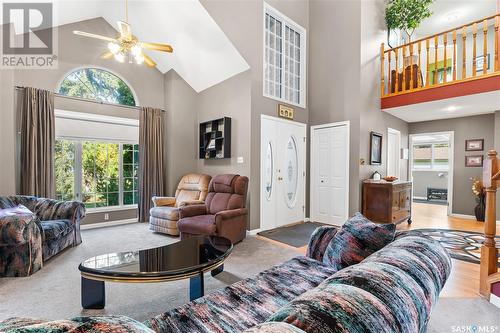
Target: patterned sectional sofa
{"x":388,"y":281}
{"x":33,"y":230}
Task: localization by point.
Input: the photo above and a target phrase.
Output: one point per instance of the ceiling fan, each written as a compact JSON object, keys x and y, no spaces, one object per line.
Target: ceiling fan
{"x":127,"y":44}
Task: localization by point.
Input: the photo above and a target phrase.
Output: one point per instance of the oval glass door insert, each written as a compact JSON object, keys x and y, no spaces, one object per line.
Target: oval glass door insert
{"x":269,"y":171}
{"x":291,"y":172}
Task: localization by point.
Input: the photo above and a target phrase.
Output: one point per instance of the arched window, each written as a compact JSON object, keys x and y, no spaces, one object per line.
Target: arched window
{"x":97,"y":84}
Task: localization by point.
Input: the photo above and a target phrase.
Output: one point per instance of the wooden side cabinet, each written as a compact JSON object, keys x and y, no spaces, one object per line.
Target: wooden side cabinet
{"x":387,"y":202}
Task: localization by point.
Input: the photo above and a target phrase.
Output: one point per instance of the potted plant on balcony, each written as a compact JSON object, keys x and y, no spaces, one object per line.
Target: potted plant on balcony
{"x":479,"y":191}
{"x":405,"y":16}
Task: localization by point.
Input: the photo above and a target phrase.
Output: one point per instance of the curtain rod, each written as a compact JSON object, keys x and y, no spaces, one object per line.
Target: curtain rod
{"x":91,"y":100}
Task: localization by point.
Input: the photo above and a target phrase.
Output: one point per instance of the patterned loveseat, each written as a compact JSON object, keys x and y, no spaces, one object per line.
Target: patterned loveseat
{"x":391,"y":289}
{"x":34,"y":230}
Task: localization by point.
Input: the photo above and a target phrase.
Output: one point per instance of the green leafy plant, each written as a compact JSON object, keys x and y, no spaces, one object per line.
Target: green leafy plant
{"x":406,"y":15}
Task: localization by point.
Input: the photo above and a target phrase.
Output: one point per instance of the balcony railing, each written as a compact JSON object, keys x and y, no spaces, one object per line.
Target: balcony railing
{"x":465,"y":53}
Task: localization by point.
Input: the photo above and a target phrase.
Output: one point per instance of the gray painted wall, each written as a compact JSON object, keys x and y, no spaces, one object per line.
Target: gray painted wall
{"x":477,"y":127}
{"x":424,"y":179}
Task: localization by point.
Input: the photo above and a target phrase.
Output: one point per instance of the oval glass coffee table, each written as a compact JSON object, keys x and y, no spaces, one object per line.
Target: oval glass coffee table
{"x":188,"y":258}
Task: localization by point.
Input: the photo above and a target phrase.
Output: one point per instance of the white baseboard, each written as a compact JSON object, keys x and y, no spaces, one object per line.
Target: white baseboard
{"x":254,"y":232}
{"x":419,"y":198}
{"x":107,"y":224}
{"x":463,"y":216}
{"x":495,"y":300}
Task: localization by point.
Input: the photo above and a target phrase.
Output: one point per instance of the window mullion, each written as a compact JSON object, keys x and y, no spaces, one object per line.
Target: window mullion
{"x":282,"y":76}
{"x":78,"y":170}
{"x":120,"y":174}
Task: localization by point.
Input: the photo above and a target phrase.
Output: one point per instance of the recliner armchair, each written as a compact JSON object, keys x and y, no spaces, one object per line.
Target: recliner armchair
{"x":192,"y":189}
{"x":224,"y":213}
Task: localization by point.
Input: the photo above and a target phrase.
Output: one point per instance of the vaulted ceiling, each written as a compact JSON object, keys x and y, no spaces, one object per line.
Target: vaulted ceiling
{"x":203,"y":55}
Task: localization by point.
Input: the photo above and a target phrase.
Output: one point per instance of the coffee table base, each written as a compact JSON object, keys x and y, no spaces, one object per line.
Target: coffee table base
{"x":94,"y":292}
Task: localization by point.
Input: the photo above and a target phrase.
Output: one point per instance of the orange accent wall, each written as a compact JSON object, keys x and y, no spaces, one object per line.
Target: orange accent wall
{"x":491,"y":83}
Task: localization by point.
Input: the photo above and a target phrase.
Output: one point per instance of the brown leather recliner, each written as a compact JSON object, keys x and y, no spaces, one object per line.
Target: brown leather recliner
{"x":192,"y":189}
{"x":224,"y":213}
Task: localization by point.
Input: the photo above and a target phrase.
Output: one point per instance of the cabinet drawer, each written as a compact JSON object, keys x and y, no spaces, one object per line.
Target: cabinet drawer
{"x":400,"y":215}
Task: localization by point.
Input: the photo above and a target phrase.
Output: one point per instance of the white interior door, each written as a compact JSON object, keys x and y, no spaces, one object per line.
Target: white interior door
{"x":282,"y":172}
{"x":393,"y":151}
{"x":330,"y":173}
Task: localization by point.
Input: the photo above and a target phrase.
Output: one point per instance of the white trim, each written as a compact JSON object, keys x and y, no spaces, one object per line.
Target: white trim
{"x":66,"y":114}
{"x":111,"y":208}
{"x":398,"y":153}
{"x":463,"y":216}
{"x":91,"y":66}
{"x":254,"y":232}
{"x":450,"y":166}
{"x":312,"y":150}
{"x":495,"y":300}
{"x":282,"y":120}
{"x":303,"y":55}
{"x":107,"y":224}
{"x":419,"y":198}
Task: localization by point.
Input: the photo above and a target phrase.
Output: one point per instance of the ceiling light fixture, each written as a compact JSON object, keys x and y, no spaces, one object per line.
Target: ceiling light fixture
{"x":127,"y":44}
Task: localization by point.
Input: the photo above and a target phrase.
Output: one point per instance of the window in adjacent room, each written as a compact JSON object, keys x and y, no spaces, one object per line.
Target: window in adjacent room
{"x":431,"y":156}
{"x":97,"y":84}
{"x":284,"y":58}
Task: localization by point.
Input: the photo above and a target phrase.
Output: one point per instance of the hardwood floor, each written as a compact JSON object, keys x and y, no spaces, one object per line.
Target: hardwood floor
{"x":464,"y":277}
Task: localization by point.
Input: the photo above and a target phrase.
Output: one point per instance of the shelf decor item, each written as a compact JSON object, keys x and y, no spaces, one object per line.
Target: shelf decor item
{"x":215,"y":139}
{"x":375,"y":148}
{"x":479,"y":191}
{"x":406,"y":16}
{"x":474,"y":161}
{"x":474,"y":145}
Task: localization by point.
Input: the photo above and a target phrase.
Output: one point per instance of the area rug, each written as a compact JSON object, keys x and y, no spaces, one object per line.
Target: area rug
{"x":296,"y":235}
{"x":462,"y":245}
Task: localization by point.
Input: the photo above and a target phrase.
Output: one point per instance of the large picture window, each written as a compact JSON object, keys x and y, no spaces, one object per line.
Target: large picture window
{"x":284,"y":58}
{"x":101,"y":174}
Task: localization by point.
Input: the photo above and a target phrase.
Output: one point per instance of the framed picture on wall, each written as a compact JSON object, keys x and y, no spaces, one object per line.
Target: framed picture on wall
{"x":474,"y":161}
{"x":474,"y":145}
{"x":375,"y":148}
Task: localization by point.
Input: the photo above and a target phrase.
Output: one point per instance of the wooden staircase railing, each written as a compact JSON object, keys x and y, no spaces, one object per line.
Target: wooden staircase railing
{"x":444,"y":56}
{"x":489,"y":253}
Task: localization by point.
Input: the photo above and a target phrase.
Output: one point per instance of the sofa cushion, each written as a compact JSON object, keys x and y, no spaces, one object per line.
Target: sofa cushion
{"x":358,"y":238}
{"x":246,"y":303}
{"x":198,"y":225}
{"x":55,"y":229}
{"x":103,"y":324}
{"x":397,"y":290}
{"x":166,"y":213}
{"x":338,"y":308}
{"x":274,"y":327}
{"x":15,"y":225}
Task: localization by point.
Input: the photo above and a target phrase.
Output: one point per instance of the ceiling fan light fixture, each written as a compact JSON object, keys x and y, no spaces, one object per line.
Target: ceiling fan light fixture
{"x":113,"y":48}
{"x":136,"y":50}
{"x":120,"y":57}
{"x":139,"y":59}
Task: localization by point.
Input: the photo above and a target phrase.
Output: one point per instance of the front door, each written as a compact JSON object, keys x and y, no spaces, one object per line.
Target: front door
{"x":282,"y":172}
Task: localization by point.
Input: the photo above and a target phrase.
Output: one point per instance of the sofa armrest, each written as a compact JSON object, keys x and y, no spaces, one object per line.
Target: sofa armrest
{"x":191,"y":202}
{"x":163,"y":201}
{"x":50,"y":209}
{"x":15,"y":228}
{"x":193,"y":210}
{"x":229,"y":214}
{"x":319,"y":241}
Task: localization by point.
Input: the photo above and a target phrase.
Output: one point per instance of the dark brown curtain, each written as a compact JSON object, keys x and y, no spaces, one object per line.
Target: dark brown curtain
{"x":37,"y":126}
{"x":151,"y":159}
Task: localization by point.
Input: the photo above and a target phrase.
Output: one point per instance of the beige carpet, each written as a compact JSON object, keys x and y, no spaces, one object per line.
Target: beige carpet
{"x":54,"y":292}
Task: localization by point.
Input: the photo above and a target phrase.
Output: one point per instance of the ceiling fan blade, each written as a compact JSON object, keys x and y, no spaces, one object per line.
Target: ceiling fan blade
{"x":150,"y":62}
{"x":107,"y":55}
{"x":88,"y":34}
{"x":124,"y":29}
{"x":157,"y":47}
